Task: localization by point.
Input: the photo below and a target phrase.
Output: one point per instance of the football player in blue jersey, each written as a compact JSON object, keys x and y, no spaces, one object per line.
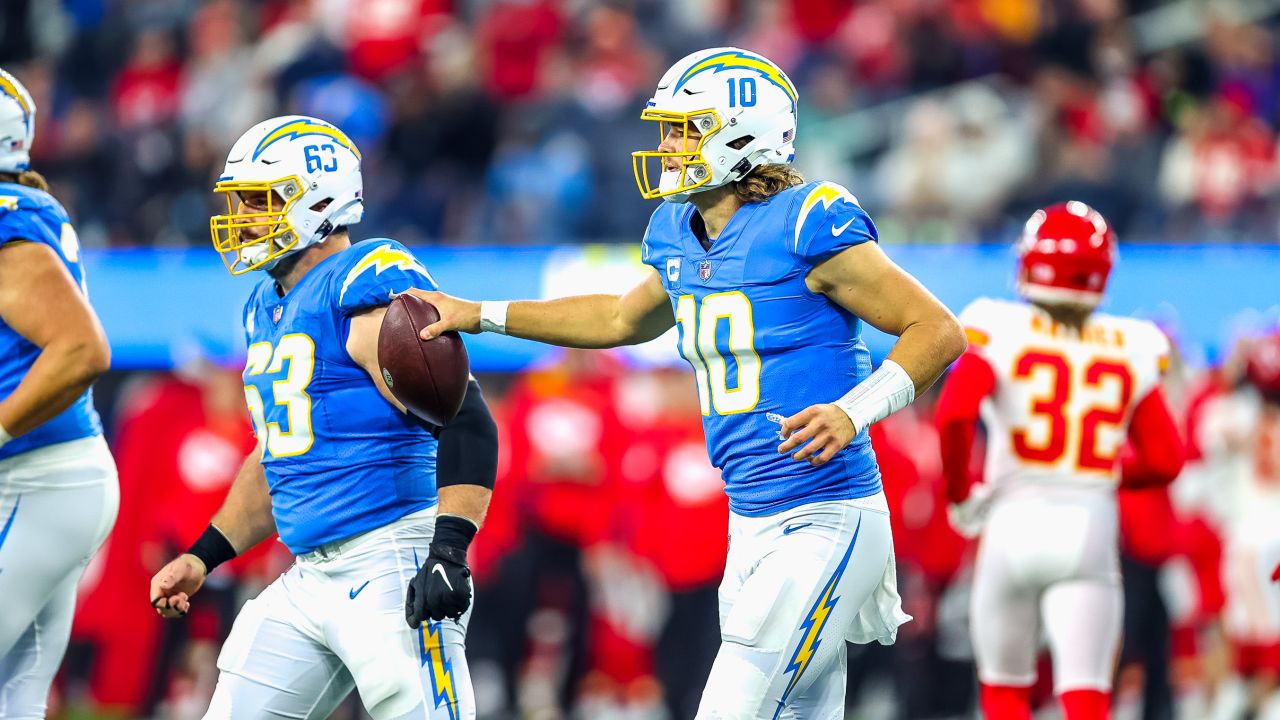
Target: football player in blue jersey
{"x":377,"y":507}
{"x":769,"y":280}
{"x":58,"y":487}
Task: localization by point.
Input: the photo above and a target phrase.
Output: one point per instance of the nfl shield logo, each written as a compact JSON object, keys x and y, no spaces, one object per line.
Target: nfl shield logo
{"x":704,"y":270}
{"x":275,"y":314}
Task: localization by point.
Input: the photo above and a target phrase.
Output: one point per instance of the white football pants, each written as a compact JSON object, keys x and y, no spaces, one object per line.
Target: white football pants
{"x":1049,"y":561}
{"x":335,"y":621}
{"x":57,"y":505}
{"x":797,"y":585}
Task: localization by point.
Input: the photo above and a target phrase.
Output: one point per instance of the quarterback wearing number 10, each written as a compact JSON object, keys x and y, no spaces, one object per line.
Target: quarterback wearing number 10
{"x":769,"y":279}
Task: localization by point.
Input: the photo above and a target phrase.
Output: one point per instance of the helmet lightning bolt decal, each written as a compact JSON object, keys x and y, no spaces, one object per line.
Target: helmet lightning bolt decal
{"x":739,"y":60}
{"x":304,"y":126}
{"x":813,"y":624}
{"x":9,"y":86}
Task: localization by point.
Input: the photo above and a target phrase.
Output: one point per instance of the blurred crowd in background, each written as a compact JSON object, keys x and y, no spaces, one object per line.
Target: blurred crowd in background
{"x":511,"y":121}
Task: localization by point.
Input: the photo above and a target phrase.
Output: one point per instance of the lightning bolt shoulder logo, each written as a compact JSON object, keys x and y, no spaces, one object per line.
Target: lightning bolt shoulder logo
{"x":825,"y":194}
{"x":814,"y":622}
{"x":382,"y":258}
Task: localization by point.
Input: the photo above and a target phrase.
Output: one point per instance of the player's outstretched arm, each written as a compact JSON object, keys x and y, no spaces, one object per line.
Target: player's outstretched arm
{"x":40,"y":300}
{"x":580,"y":321}
{"x":864,"y":281}
{"x":244,"y":520}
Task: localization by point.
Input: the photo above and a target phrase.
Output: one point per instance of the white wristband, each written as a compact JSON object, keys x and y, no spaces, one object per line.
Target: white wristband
{"x":5,"y":437}
{"x":493,"y":316}
{"x":884,"y":392}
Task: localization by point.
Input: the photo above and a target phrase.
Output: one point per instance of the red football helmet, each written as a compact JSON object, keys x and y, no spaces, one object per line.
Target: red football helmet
{"x":1262,"y":365}
{"x":1065,"y":255}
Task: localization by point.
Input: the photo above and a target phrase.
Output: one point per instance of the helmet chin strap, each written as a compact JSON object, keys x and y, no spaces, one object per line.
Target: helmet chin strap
{"x":281,"y":267}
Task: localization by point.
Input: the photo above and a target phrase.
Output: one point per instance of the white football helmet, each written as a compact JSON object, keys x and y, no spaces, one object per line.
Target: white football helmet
{"x":17,"y":124}
{"x":743,"y":105}
{"x":310,"y":173}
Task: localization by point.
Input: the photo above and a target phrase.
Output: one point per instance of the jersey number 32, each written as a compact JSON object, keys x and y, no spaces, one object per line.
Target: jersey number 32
{"x":1111,"y":385}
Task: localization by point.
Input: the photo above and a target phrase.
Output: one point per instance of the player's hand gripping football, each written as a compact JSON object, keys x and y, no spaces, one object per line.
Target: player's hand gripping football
{"x":173,"y":586}
{"x":825,"y":427}
{"x":442,"y":587}
{"x":455,"y":313}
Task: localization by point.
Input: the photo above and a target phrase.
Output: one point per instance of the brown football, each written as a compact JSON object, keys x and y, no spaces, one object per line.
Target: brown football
{"x":429,"y":377}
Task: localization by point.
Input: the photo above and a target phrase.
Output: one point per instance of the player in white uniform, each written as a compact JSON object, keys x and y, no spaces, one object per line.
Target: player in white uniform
{"x":58,"y":488}
{"x":354,"y":485}
{"x":1059,"y":389}
{"x":1240,"y":437}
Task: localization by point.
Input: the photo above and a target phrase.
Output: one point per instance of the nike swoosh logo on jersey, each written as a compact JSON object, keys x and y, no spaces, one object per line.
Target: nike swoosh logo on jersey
{"x":837,"y":231}
{"x":439,"y":569}
{"x":9,"y":523}
{"x":354,"y":593}
{"x":792,"y":528}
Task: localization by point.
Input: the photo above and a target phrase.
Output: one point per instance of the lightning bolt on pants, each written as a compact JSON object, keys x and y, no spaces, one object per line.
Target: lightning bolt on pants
{"x":797,"y":585}
{"x":334,"y":622}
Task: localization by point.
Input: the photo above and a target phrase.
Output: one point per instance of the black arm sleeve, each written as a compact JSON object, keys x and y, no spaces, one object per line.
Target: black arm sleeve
{"x":468,"y":453}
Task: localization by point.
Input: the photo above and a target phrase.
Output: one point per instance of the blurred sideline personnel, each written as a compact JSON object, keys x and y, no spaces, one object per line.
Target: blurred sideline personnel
{"x":58,"y":487}
{"x":770,"y":279}
{"x":360,"y":491}
{"x":1239,"y":433}
{"x":1058,"y":387}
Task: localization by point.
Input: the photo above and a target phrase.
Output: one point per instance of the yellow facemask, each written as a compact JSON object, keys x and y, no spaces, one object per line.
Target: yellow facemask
{"x":707,"y":123}
{"x":241,"y":254}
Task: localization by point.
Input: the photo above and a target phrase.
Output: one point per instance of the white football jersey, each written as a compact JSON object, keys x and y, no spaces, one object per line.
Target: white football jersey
{"x":1063,"y":400}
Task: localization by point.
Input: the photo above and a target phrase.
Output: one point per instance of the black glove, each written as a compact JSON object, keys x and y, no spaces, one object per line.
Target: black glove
{"x":442,"y":587}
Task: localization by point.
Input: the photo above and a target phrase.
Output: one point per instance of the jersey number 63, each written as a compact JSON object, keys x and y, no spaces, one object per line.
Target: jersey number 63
{"x":289,"y":393}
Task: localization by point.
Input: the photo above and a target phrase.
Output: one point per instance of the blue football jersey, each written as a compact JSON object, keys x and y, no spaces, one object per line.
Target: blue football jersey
{"x":28,"y":214}
{"x":339,"y":459}
{"x":762,"y":345}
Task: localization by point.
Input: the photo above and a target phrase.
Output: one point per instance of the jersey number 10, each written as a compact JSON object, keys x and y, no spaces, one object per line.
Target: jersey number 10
{"x":698,"y":326}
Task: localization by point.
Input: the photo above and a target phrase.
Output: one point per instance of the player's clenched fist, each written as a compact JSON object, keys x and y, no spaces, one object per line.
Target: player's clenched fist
{"x":442,"y":587}
{"x":455,"y":313}
{"x":825,"y":427}
{"x":173,"y":586}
